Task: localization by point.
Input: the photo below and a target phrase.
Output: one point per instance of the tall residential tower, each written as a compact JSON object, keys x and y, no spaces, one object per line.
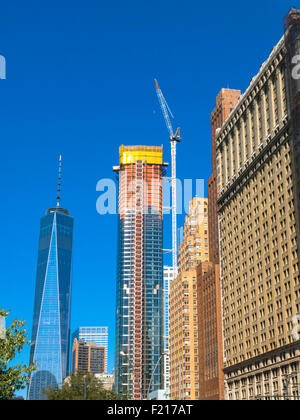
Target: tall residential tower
{"x":95,"y":335}
{"x":139,"y":317}
{"x":185,"y":371}
{"x":168,"y":279}
{"x":209,"y":286}
{"x":87,"y":356}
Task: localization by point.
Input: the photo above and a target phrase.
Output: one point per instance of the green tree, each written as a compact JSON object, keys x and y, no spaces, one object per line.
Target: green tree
{"x":13,"y":378}
{"x":82,"y":386}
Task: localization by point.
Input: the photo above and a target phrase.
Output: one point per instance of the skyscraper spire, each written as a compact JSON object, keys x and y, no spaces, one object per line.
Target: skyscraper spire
{"x":58,"y":208}
{"x":59,"y":183}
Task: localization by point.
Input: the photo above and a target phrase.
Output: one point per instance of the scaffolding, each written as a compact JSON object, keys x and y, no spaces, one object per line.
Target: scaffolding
{"x":138,"y":281}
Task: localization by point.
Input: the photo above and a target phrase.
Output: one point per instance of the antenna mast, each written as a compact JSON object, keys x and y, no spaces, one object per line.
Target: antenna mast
{"x":59,"y":184}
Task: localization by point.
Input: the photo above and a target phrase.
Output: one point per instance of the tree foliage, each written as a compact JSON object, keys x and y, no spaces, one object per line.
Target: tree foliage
{"x":13,"y":378}
{"x":82,"y":386}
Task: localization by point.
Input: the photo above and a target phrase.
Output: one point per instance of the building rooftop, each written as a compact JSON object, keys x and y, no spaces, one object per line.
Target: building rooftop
{"x":57,"y":210}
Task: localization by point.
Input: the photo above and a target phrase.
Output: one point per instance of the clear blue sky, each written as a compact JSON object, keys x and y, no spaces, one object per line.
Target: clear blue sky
{"x":80,"y":83}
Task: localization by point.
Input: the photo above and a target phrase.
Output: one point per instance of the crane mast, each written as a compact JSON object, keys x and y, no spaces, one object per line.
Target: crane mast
{"x":174,"y":138}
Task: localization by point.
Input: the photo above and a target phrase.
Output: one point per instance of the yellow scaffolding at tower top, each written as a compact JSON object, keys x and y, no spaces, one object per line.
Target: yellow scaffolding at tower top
{"x":153,"y":155}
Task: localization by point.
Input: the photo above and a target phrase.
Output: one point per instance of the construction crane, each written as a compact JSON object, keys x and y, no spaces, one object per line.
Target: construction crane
{"x":174,"y":139}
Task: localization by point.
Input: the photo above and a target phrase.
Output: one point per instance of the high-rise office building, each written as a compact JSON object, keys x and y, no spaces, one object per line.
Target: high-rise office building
{"x":225,"y":103}
{"x":257,"y":152}
{"x":51,"y":317}
{"x":139,"y":316}
{"x":88,"y":357}
{"x":209,"y":285}
{"x":98,"y":335}
{"x":184,"y":304}
{"x":195,"y":245}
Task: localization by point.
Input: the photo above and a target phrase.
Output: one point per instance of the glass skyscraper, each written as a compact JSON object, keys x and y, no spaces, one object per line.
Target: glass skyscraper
{"x":139,"y":315}
{"x":98,"y":335}
{"x":51,"y":318}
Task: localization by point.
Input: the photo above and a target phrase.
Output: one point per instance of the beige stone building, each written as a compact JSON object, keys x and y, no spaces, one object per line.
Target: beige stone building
{"x":258,"y":202}
{"x":184,"y":305}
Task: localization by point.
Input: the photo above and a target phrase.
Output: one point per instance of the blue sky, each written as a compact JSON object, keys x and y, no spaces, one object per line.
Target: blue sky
{"x":80,"y":83}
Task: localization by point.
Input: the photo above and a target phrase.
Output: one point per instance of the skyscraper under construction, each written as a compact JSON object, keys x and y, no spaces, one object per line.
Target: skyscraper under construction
{"x":139,"y":315}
